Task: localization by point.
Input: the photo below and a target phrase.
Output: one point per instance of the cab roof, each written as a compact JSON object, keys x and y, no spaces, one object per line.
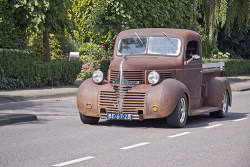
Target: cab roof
{"x":181,"y":33}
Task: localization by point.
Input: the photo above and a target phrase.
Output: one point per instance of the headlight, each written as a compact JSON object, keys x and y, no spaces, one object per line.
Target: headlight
{"x":153,"y":77}
{"x":97,"y":76}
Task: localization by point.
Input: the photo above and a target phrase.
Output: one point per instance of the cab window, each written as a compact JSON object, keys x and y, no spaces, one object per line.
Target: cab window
{"x":192,"y":49}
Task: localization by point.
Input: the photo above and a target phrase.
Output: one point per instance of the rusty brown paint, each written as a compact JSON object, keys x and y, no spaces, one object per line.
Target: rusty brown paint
{"x":177,"y":78}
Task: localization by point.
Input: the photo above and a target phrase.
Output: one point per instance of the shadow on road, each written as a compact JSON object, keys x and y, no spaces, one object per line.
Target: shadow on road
{"x":192,"y":122}
{"x":205,"y":120}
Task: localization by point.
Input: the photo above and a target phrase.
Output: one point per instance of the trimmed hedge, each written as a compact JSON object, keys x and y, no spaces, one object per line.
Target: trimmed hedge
{"x":19,"y":65}
{"x":233,"y":66}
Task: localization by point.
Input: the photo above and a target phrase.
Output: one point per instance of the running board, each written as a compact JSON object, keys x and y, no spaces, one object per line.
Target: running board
{"x":201,"y":110}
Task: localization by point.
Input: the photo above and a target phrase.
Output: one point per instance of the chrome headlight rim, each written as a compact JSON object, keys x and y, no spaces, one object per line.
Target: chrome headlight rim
{"x":153,"y":77}
{"x":98,"y":76}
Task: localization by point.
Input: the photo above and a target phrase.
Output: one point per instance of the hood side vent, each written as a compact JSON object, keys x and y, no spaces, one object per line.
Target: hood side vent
{"x":128,"y":75}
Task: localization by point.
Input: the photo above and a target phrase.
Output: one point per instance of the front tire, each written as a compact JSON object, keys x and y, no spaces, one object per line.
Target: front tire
{"x":178,"y":118}
{"x":223,"y":112}
{"x":88,"y":120}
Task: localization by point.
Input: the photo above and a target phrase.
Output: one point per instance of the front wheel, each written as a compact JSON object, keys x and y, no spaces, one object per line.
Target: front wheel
{"x":223,"y":112}
{"x":178,"y":118}
{"x":88,"y":120}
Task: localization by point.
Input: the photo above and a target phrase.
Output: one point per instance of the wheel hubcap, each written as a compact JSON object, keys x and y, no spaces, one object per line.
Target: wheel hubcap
{"x":224,"y":102}
{"x":182,"y":110}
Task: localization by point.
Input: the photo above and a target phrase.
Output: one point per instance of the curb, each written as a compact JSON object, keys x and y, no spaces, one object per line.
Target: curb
{"x":27,"y":98}
{"x":16,"y":118}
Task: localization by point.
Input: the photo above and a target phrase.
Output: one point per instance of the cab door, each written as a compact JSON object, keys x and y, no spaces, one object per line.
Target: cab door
{"x":192,"y":72}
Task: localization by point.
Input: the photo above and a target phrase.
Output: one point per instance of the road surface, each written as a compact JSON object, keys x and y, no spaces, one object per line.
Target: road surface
{"x":58,"y":138}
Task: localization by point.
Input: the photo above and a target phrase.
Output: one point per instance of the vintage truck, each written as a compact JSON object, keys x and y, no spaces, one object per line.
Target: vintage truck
{"x":155,"y":73}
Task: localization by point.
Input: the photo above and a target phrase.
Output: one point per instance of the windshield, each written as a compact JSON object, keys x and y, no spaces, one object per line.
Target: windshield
{"x":132,"y":45}
{"x":156,"y":45}
{"x":164,"y":46}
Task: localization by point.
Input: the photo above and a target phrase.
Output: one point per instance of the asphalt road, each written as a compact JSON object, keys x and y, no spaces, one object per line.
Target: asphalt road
{"x":58,"y":138}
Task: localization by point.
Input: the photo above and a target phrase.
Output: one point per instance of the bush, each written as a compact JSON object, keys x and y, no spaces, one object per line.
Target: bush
{"x":91,"y":56}
{"x":233,"y":66}
{"x":90,"y":52}
{"x":104,"y":67}
{"x":8,"y":83}
{"x":19,"y":66}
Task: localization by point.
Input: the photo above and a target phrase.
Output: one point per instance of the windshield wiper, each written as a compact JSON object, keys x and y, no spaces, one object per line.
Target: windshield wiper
{"x":170,"y":40}
{"x":139,"y":38}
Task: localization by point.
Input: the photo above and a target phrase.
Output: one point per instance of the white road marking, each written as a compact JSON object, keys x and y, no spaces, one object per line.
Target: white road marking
{"x":133,"y":146}
{"x":236,"y":120}
{"x":180,"y":134}
{"x":212,"y":126}
{"x":74,"y":161}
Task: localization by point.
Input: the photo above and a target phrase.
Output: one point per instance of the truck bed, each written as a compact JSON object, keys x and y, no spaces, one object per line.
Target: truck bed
{"x":213,"y":67}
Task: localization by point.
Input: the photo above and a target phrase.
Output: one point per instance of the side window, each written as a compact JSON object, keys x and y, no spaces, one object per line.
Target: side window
{"x":192,"y":49}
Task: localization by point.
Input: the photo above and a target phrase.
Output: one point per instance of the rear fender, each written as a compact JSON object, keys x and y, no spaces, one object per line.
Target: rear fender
{"x":166,"y":96}
{"x":216,"y":88}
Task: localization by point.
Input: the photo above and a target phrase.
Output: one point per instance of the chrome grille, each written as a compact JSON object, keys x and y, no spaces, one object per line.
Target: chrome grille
{"x":132,"y":101}
{"x":128,"y":75}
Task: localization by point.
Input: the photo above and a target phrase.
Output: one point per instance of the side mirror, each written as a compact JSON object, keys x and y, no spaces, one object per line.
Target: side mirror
{"x":196,"y":57}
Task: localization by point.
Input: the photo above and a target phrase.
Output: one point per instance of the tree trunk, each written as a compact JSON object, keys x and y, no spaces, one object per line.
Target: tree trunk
{"x":46,"y":44}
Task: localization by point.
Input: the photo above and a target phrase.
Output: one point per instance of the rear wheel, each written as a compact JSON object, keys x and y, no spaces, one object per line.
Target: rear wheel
{"x":223,"y":112}
{"x":88,"y":120}
{"x":178,"y":118}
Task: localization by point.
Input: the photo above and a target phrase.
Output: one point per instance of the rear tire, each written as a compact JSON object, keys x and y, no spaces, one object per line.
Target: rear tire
{"x":223,"y":112}
{"x":88,"y":120}
{"x":178,"y":118}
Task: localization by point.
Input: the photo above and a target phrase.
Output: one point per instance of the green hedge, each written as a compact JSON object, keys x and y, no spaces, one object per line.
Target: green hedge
{"x":19,"y":65}
{"x":233,"y":66}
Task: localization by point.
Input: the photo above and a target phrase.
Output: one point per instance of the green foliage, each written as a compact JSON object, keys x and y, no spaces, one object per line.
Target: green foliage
{"x":221,"y":55}
{"x":55,"y":48}
{"x":91,"y":55}
{"x":20,"y":68}
{"x":90,"y":52}
{"x":36,"y":48}
{"x":102,"y":20}
{"x":105,"y":66}
{"x":230,"y":16}
{"x":85,"y":74}
{"x":12,"y":34}
{"x":237,"y":43}
{"x":233,"y":66}
{"x":68,"y":44}
{"x":8,"y":83}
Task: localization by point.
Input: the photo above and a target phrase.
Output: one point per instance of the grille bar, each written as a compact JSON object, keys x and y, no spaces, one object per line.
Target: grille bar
{"x":132,"y":101}
{"x":128,"y":75}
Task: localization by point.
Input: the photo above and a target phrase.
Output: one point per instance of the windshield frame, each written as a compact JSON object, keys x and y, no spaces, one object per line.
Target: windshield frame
{"x":147,"y":46}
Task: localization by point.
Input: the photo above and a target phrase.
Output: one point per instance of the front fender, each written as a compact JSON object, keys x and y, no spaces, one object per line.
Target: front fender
{"x":166,"y":96}
{"x":88,"y":94}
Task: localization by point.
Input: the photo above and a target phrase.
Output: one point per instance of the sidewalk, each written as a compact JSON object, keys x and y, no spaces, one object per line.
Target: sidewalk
{"x":238,"y":83}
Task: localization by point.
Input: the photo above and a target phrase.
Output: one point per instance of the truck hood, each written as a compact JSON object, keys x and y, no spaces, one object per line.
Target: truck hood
{"x":142,"y":63}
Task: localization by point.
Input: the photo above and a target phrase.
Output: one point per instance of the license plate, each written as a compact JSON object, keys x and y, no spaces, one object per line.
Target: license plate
{"x":119,"y":116}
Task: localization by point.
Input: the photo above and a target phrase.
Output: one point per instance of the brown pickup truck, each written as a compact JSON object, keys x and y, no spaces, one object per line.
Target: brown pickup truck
{"x":155,"y":73}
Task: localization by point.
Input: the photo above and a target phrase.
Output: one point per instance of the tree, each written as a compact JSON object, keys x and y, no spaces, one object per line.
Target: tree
{"x":223,"y":14}
{"x":12,"y":34}
{"x":102,"y":20}
{"x":50,"y":16}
